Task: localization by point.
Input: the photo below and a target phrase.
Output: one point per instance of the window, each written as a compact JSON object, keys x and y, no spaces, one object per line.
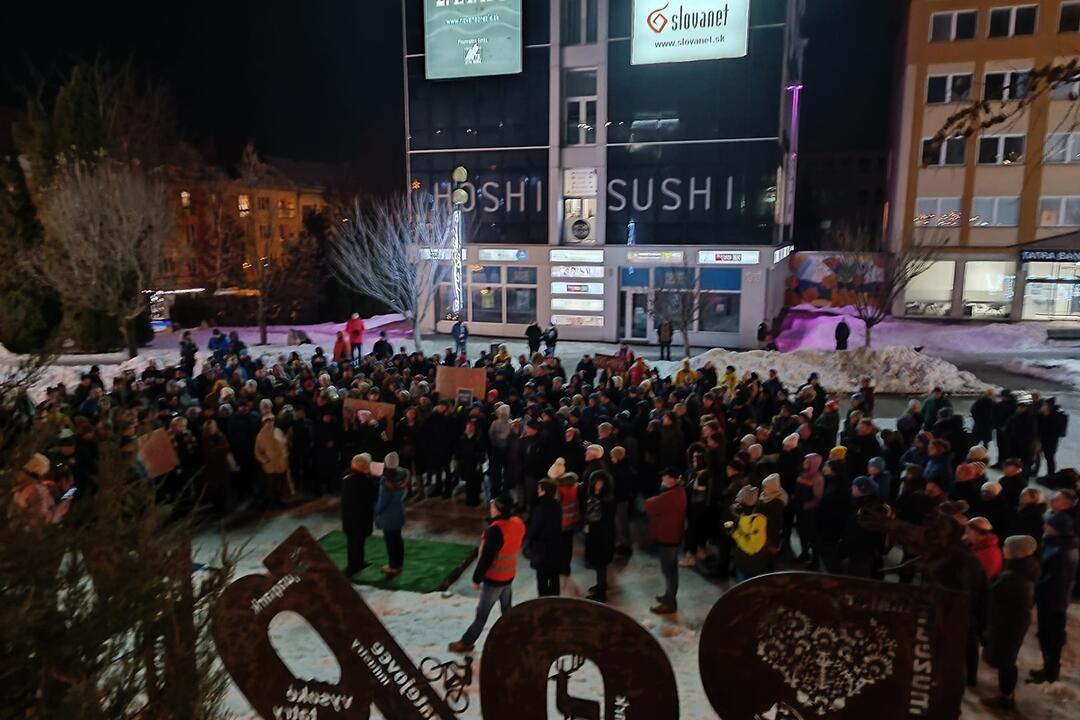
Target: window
{"x":1006,"y":85}
{"x":943,"y":211}
{"x":185,"y":199}
{"x":948,"y":88}
{"x":521,"y":304}
{"x":930,"y":293}
{"x":578,"y":22}
{"x":487,"y":303}
{"x":520,"y":275}
{"x":265,"y":231}
{"x":1070,"y":17}
{"x":1059,"y":211}
{"x":995,"y":211}
{"x":1062,"y":148}
{"x":263,"y":202}
{"x":243,"y":205}
{"x":950,"y":152}
{"x":988,"y":288}
{"x":1012,"y":21}
{"x":957,"y":25}
{"x":487,"y":274}
{"x":580,"y":92}
{"x":1001,"y":149}
{"x":1066,"y":90}
{"x":287,"y":207}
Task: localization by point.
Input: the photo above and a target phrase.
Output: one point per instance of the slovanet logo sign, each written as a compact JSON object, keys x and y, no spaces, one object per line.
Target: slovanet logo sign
{"x":692,"y":30}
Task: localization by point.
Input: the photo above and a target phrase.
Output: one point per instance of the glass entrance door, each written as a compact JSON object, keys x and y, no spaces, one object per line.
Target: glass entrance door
{"x":638,"y":321}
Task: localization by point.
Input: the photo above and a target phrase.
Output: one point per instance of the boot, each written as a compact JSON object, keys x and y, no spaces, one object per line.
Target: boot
{"x":1042,"y":675}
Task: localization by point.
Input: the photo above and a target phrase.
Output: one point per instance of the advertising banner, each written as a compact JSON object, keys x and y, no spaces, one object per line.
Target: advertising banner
{"x":686,"y":30}
{"x":471,"y":39}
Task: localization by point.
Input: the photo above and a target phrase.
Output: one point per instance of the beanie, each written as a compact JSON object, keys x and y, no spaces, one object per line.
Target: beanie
{"x":991,"y":489}
{"x":748,"y":439}
{"x":981,"y":524}
{"x":557,"y":469}
{"x":791,"y":441}
{"x":1061,"y":523}
{"x":1031,"y":496}
{"x":977,"y":452}
{"x":878,"y":463}
{"x":391,"y":461}
{"x":755,"y":451}
{"x":1018,"y":547}
{"x":748,"y":496}
{"x":808,"y":413}
{"x":838,"y":453}
{"x":864,"y":486}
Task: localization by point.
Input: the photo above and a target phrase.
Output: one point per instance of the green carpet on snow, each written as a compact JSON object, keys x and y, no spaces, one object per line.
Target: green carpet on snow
{"x":429,"y":565}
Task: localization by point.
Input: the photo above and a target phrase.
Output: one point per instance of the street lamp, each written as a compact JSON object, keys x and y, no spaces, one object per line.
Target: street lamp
{"x":459,"y":197}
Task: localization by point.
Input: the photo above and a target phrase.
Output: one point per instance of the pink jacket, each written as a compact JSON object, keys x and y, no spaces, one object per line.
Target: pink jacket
{"x":354,"y":330}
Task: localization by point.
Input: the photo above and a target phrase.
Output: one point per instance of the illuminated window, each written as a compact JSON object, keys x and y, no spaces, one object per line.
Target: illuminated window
{"x":243,"y":204}
{"x":1062,"y":148}
{"x":1001,"y":149}
{"x":185,"y":199}
{"x":941,"y":211}
{"x":1059,"y":211}
{"x":995,"y":212}
{"x":287,"y":207}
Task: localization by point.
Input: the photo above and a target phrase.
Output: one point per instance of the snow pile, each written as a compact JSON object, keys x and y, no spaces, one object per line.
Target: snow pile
{"x":897,"y":370}
{"x":1060,"y":370}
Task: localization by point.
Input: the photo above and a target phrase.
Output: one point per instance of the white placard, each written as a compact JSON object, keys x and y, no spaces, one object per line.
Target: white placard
{"x":502,"y":255}
{"x":728,"y":257}
{"x":656,"y":256}
{"x":668,"y":32}
{"x":576,"y":271}
{"x":580,"y":182}
{"x":781,"y":253}
{"x":578,"y":320}
{"x":577,"y":304}
{"x":587,"y":288}
{"x":576,"y":256}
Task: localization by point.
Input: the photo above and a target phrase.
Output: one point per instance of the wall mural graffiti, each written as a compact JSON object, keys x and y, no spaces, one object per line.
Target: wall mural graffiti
{"x":825,"y":280}
{"x":849,"y":648}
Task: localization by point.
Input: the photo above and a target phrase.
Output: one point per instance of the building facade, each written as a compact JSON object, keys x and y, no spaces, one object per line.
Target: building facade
{"x":1005,"y":201}
{"x":608,"y":163}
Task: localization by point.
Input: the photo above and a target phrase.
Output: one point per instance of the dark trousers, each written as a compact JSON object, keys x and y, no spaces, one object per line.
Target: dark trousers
{"x":697,"y":533}
{"x":473,"y":481}
{"x":567,"y":552}
{"x":395,"y":548}
{"x":461,"y":346}
{"x":665,"y":350}
{"x":270,"y":495}
{"x":357,"y":350}
{"x":354,"y":548}
{"x":1051,"y":639}
{"x":547,"y":583}
{"x":973,"y":657}
{"x":496,"y":465}
{"x":601,"y":579}
{"x":1007,"y":676}
{"x":669,"y":567}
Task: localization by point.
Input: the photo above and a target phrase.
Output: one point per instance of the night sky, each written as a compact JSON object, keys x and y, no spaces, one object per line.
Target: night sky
{"x":321,"y":79}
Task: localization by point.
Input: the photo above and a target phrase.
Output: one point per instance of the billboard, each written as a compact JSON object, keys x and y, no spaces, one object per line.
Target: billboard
{"x":666,"y":31}
{"x":471,"y":39}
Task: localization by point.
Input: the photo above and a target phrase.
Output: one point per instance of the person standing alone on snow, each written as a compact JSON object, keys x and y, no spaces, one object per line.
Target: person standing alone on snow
{"x":495,"y":568}
{"x":843,"y":332}
{"x":667,"y":522}
{"x":354,"y":330}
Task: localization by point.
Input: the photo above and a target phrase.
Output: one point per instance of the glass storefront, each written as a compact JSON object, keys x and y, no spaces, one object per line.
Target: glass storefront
{"x":1052,"y":291}
{"x":930,"y":294}
{"x":493,"y":294}
{"x":988,"y":288}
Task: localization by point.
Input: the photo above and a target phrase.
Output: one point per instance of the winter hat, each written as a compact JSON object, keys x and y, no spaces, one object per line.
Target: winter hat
{"x":965,"y":472}
{"x":755,"y":451}
{"x":594,"y":452}
{"x":838,"y":453}
{"x":791,"y":441}
{"x":858,"y":397}
{"x":748,"y":439}
{"x":831,"y":404}
{"x":557,"y":469}
{"x":391,"y":461}
{"x":618,"y":453}
{"x":1060,"y":522}
{"x":990,"y":490}
{"x":878,"y":463}
{"x":748,"y":496}
{"x":1018,"y":547}
{"x":808,"y":413}
{"x":771,"y":489}
{"x":981,"y":524}
{"x":1031,"y":496}
{"x":980,"y":468}
{"x":361,"y":462}
{"x":66,"y":437}
{"x":864,"y":486}
{"x":38,"y":465}
{"x":956,"y":509}
{"x":977,"y":453}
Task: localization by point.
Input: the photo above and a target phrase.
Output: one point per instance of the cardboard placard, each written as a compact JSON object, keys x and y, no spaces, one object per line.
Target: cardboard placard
{"x":449,"y":380}
{"x":383,"y":412}
{"x":613,"y":364}
{"x":157,"y":454}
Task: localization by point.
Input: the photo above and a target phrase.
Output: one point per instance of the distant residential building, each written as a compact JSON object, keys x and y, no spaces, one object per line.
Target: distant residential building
{"x":1007,"y":199}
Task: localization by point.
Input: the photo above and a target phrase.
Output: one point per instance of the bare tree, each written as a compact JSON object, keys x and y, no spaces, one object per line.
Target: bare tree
{"x":389,"y":252}
{"x":105,"y":226}
{"x":877,"y":278}
{"x":218,"y":253}
{"x":680,"y":305}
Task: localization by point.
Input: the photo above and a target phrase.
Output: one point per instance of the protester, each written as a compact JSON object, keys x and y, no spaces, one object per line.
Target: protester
{"x":543,"y":541}
{"x":390,"y":512}
{"x":360,"y":490}
{"x":1053,"y":591}
{"x":1011,"y":597}
{"x":667,"y":520}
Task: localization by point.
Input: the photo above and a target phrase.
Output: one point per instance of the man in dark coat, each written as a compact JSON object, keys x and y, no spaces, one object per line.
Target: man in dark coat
{"x":533,"y":334}
{"x":359,"y":491}
{"x":599,"y":514}
{"x":1009,"y":614}
{"x":982,"y":418}
{"x":1023,"y":434}
{"x":1052,"y":592}
{"x":543,"y":542}
{"x":843,"y":332}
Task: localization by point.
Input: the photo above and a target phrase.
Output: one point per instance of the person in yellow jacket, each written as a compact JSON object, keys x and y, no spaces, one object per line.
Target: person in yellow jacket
{"x":686,"y":374}
{"x":270,"y":451}
{"x":495,"y":568}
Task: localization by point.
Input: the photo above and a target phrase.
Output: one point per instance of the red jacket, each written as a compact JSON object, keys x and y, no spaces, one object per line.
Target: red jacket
{"x":989,"y":554}
{"x":354,"y":331}
{"x":667,"y":515}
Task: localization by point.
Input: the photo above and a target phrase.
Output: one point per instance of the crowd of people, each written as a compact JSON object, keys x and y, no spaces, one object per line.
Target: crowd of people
{"x":736,"y":474}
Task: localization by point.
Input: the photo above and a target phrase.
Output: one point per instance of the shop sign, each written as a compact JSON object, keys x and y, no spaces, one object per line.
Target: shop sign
{"x":656,"y":256}
{"x":503,"y":255}
{"x":596,"y":321}
{"x":781,"y":253}
{"x":576,"y":271}
{"x":728,"y":257}
{"x":577,"y":304}
{"x":471,"y":39}
{"x":587,"y":288}
{"x":440,"y":253}
{"x":667,"y":31}
{"x":580,"y":182}
{"x":1049,"y":256}
{"x":576,"y":256}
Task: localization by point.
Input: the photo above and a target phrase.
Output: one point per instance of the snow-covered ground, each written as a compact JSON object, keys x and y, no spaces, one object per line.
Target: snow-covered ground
{"x":1060,"y":370}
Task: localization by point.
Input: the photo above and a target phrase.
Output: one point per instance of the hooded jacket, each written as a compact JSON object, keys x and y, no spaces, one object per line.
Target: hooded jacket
{"x":1009,"y":613}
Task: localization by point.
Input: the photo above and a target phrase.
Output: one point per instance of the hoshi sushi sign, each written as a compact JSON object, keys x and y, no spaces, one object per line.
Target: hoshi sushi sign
{"x":847,"y":649}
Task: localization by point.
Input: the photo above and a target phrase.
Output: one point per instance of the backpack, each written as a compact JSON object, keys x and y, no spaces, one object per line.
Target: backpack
{"x":749,"y":533}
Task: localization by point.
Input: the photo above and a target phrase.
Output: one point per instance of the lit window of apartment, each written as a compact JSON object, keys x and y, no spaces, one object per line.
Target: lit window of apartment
{"x":995,"y":211}
{"x":1066,"y":90}
{"x":1062,"y":148}
{"x":287,"y":207}
{"x":950,"y":152}
{"x":1070,"y":17}
{"x":263,"y":202}
{"x":955,"y":25}
{"x":243,"y":205}
{"x":948,"y":88}
{"x":580,"y":92}
{"x":942,"y":211}
{"x":185,"y":199}
{"x":578,"y":22}
{"x":1001,"y":149}
{"x":1013,"y":21}
{"x":1059,"y":211}
{"x":1006,"y":85}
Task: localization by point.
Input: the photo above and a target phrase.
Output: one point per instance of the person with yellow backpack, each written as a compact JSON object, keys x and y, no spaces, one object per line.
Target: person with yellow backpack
{"x":749,"y":534}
